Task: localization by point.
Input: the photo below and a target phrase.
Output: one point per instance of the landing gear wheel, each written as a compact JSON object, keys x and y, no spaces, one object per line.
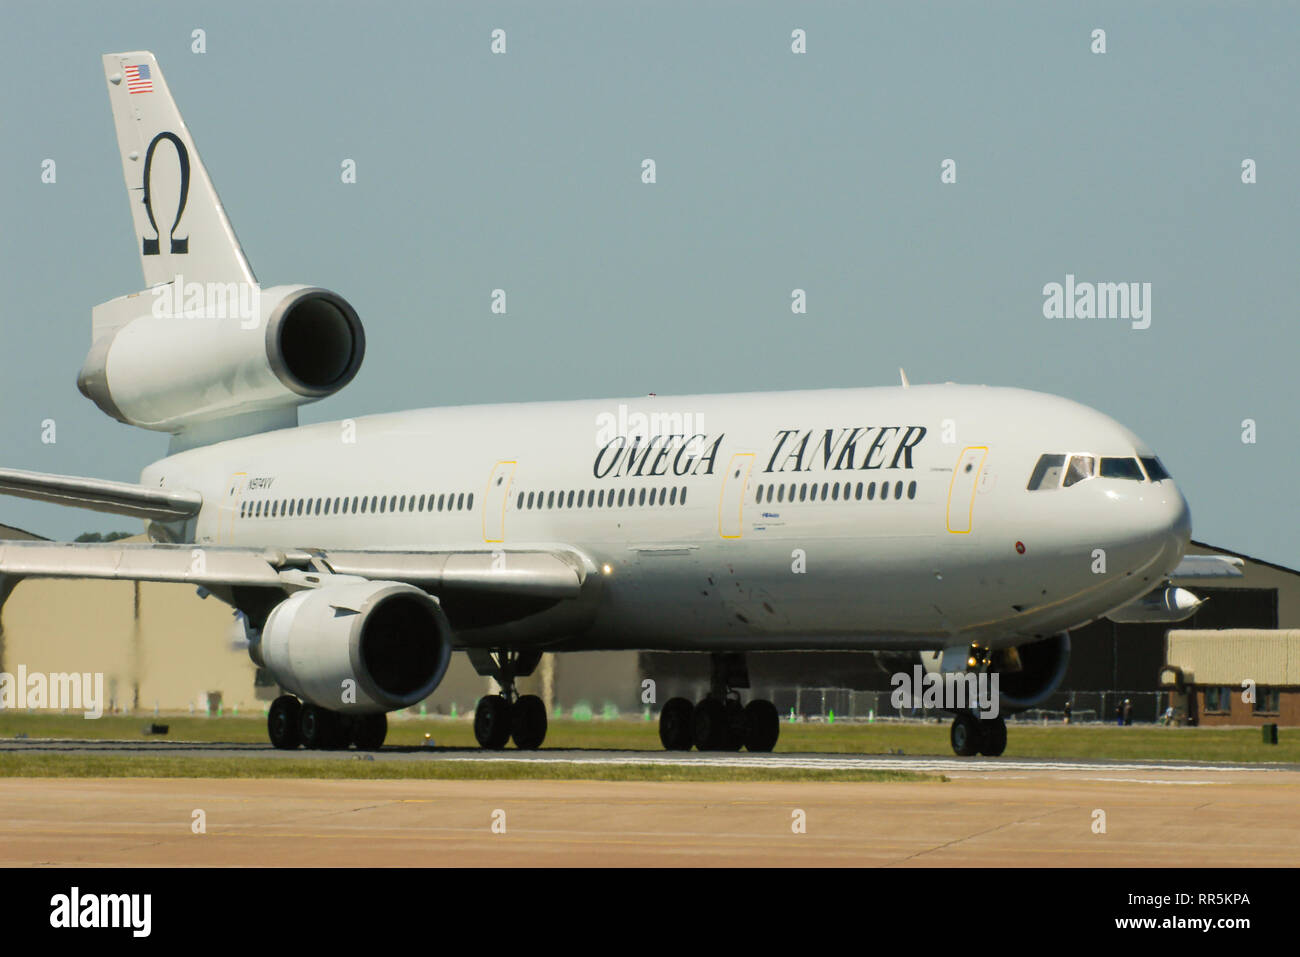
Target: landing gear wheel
{"x":762,"y":725}
{"x":735,"y":725}
{"x":709,"y":725}
{"x":369,"y":731}
{"x":492,"y":722}
{"x":528,"y":722}
{"x":993,"y":737}
{"x":282,"y":722}
{"x":319,"y":727}
{"x":965,"y":734}
{"x":676,"y":727}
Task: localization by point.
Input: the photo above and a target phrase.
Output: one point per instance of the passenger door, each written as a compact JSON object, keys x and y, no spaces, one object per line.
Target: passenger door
{"x":494,"y":502}
{"x":961,"y":490}
{"x":731,"y":504}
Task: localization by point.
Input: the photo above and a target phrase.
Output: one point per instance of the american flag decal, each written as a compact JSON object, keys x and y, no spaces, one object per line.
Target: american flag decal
{"x":138,"y":79}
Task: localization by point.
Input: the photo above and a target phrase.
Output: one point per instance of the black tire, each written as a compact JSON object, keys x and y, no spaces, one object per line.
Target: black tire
{"x":993,"y":737}
{"x":492,"y":722}
{"x":282,"y":722}
{"x":528,"y":722}
{"x":965,"y":734}
{"x":369,"y":731}
{"x":709,"y":725}
{"x":319,"y":727}
{"x":762,"y":725}
{"x":676,"y":728}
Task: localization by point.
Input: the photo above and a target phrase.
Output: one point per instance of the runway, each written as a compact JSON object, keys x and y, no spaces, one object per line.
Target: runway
{"x":925,"y":764}
{"x":991,"y":812}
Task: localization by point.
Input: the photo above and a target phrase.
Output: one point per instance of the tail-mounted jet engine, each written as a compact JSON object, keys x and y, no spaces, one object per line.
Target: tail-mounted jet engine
{"x":172,"y":358}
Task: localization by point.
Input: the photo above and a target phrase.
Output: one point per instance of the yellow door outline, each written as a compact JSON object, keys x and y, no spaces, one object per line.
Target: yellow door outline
{"x":971,"y":463}
{"x":230,"y":507}
{"x":499,"y":483}
{"x":735,"y":480}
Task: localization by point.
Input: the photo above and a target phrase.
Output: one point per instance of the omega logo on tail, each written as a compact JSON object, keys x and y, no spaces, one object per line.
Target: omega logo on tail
{"x":149,"y":247}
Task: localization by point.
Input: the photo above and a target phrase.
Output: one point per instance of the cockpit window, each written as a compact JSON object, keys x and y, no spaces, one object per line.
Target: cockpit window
{"x":1047,"y":473}
{"x":1081,"y":467}
{"x":1121,"y":469}
{"x":1155,"y":471}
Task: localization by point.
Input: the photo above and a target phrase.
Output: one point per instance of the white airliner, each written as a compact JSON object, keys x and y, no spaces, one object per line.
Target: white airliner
{"x":976,"y":525}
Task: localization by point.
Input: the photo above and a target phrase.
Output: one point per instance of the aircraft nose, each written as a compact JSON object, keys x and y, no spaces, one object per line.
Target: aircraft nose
{"x":1170,"y":522}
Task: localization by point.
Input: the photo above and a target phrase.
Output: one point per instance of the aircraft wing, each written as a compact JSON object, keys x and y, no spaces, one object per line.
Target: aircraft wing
{"x":102,"y":495}
{"x":537,"y":573}
{"x":1208,"y":566}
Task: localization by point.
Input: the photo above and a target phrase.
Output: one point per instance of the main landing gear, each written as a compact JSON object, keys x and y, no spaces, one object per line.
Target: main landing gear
{"x":719,"y":722}
{"x":972,"y":734}
{"x":509,"y":715}
{"x":291,"y":723}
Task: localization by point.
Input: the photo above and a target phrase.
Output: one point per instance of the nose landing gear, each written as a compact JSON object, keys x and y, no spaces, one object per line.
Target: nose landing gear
{"x":971,"y":734}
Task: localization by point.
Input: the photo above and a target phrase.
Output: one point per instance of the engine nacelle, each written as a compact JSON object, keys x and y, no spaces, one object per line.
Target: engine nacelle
{"x":390,"y":639}
{"x":1027,"y":674}
{"x":169,"y":358}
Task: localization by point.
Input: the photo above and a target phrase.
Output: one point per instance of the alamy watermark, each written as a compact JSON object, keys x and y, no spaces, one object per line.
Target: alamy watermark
{"x":60,"y":691}
{"x":951,"y":691}
{"x":1129,"y":301}
{"x":208,"y":300}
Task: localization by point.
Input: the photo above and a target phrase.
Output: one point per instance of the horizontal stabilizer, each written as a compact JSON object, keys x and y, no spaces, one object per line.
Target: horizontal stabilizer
{"x":1208,"y":566}
{"x":101,"y":495}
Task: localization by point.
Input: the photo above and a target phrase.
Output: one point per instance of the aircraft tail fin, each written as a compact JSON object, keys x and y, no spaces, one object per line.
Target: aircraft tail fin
{"x":180,"y":225}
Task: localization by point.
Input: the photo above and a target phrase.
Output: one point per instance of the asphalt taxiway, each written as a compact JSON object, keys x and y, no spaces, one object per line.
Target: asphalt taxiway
{"x":999,"y":812}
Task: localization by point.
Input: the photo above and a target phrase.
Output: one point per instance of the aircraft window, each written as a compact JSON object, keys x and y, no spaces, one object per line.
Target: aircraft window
{"x":1081,"y":467}
{"x":319,"y":503}
{"x":758,"y":495}
{"x":1121,"y":469}
{"x":683,"y":494}
{"x":1047,"y":473}
{"x":672,"y":498}
{"x":1155,"y":471}
{"x":911,"y":490}
{"x":835,"y":492}
{"x":582,"y":494}
{"x":826,"y":487}
{"x":383,"y":504}
{"x":803,"y":492}
{"x":569,"y":503}
{"x":641,"y":500}
{"x":600,"y":498}
{"x":530,"y":498}
{"x":898,"y":490}
{"x":871,"y":491}
{"x":401,"y":504}
{"x":858,"y":492}
{"x":469,"y":501}
{"x":780,"y":493}
{"x":884,"y":491}
{"x":663,"y":496}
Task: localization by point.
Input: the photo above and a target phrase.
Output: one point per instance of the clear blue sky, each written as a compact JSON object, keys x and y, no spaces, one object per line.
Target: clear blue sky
{"x":775,"y":171}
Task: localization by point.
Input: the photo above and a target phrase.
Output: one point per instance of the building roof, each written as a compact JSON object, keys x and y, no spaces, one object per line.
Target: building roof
{"x":1233,"y":655}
